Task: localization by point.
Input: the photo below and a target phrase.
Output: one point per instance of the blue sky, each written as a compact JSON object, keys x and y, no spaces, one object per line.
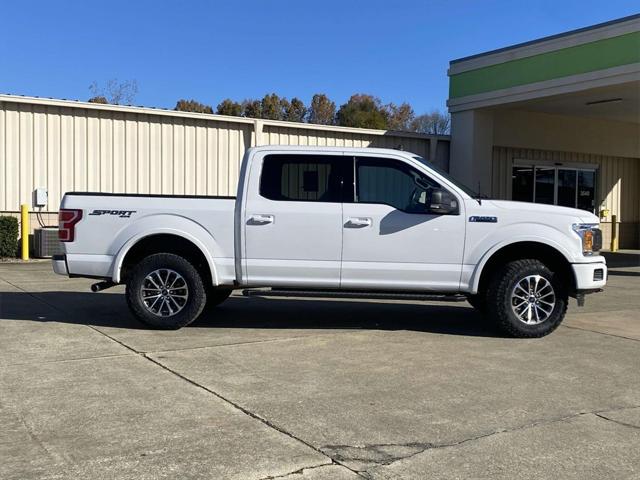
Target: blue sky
{"x":397,"y":50}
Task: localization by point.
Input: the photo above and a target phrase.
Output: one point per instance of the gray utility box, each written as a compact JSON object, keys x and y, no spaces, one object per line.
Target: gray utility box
{"x":46,"y":243}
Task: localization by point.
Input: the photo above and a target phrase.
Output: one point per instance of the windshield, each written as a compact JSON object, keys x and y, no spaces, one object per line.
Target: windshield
{"x":472,"y":193}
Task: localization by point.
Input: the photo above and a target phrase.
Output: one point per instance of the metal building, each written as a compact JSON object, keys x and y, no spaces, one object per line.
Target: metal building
{"x":66,"y":145}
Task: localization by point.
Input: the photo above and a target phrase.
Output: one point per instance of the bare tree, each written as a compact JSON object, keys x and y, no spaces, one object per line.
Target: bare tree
{"x":434,"y":123}
{"x":399,"y":117}
{"x":115,"y":92}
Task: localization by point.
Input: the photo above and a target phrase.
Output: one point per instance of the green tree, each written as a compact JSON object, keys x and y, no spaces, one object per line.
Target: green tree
{"x":229,"y":107}
{"x":399,"y":117}
{"x":294,"y":111}
{"x":192,"y":106}
{"x":434,"y":123}
{"x":272,"y":107}
{"x":362,"y":111}
{"x":252,"y":108}
{"x":322,"y":111}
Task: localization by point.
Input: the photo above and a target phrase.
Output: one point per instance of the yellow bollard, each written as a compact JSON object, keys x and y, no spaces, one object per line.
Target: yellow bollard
{"x":614,"y":233}
{"x":24,"y":224}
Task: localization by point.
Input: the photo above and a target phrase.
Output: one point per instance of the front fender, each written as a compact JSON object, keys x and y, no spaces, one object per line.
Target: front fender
{"x":172,"y":225}
{"x":481,"y":254}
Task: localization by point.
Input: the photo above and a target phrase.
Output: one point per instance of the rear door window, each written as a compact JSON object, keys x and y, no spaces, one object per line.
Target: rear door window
{"x":303,"y":178}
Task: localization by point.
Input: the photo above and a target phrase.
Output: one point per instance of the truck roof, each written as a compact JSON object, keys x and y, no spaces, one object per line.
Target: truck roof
{"x":307,"y":148}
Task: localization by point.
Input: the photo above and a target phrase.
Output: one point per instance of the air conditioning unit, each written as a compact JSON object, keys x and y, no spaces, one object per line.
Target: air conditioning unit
{"x":46,"y":242}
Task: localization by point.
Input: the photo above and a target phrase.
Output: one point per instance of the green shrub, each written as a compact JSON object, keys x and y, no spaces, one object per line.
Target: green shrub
{"x":8,"y":236}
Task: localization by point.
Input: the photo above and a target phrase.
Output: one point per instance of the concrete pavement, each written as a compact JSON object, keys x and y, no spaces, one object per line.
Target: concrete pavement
{"x":312,"y":389}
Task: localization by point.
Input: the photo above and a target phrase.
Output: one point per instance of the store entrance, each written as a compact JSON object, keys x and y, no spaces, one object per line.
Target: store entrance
{"x":554,"y":185}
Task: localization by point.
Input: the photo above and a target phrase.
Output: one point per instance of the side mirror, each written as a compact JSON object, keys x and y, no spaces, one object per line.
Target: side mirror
{"x":442,"y":203}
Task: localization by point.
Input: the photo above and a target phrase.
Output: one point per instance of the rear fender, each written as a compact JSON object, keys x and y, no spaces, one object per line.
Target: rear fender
{"x":171,"y":225}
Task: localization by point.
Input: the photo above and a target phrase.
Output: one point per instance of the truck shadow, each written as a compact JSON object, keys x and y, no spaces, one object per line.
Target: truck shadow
{"x":110,"y":310}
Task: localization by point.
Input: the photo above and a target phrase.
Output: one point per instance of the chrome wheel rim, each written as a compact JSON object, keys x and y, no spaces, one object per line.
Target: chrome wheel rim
{"x":533,"y":299}
{"x":164,"y":292}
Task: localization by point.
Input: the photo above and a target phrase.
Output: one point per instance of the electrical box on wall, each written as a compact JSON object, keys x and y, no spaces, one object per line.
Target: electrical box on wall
{"x":40,"y":197}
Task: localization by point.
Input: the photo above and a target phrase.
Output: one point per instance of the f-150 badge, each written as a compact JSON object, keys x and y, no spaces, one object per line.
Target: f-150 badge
{"x":484,"y":219}
{"x":118,"y":213}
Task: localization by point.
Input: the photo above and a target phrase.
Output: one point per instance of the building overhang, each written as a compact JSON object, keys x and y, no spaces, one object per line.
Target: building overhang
{"x":599,"y":56}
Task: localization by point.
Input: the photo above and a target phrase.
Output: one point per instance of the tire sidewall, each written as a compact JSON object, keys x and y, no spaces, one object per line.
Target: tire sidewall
{"x":500,"y":301}
{"x":195,"y":302}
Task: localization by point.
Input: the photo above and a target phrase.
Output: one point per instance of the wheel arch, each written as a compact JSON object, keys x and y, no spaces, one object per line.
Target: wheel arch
{"x":550,"y":255}
{"x":165,"y":241}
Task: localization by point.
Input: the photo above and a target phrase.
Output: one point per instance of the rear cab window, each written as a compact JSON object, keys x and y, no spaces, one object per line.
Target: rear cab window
{"x":304,"y":178}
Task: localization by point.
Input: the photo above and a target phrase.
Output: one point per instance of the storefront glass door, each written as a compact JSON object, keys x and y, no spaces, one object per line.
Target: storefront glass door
{"x":568,"y":187}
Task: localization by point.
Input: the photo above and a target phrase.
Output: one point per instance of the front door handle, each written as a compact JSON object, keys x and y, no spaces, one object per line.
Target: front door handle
{"x":358,"y":222}
{"x":261,"y":219}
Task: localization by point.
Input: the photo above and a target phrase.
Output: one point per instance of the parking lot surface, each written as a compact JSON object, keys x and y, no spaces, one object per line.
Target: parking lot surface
{"x":266,"y":387}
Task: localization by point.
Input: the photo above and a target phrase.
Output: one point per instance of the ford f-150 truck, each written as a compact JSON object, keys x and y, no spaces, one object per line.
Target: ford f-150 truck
{"x":356,"y":220}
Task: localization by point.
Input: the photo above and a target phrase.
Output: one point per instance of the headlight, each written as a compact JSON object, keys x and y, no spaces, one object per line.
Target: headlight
{"x":591,"y":237}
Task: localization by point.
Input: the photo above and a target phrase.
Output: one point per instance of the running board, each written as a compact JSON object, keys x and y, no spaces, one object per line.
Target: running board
{"x":278,"y":292}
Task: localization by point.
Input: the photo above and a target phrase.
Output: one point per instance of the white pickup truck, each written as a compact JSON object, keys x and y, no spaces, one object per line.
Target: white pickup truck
{"x":356,"y":220}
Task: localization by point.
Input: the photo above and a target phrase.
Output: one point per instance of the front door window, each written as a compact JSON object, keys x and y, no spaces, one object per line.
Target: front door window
{"x":567,"y":187}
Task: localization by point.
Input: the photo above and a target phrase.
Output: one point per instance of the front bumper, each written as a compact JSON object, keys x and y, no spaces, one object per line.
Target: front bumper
{"x":59,"y":263}
{"x":590,"y":276}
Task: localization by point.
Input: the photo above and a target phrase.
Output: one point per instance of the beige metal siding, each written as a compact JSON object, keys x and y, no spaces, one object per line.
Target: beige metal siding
{"x":278,"y":135}
{"x":66,"y":146}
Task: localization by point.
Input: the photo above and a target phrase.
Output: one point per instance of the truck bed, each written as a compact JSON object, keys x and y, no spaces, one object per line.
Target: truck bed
{"x":113,"y":221}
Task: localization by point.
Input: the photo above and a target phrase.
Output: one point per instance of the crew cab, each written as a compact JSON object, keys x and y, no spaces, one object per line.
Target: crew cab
{"x":332,"y":219}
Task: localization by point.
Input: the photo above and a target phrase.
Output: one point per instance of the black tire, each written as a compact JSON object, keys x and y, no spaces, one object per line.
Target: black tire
{"x":499,"y":299}
{"x":188,"y":312}
{"x":217,"y":295}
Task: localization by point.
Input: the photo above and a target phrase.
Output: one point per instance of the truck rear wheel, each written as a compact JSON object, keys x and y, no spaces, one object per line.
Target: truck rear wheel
{"x":165,"y":291}
{"x":526,"y":299}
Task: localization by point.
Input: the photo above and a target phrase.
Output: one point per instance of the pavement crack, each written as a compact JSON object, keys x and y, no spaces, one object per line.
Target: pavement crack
{"x":601,"y":333}
{"x":249,"y":342}
{"x":624,"y":424}
{"x":251,"y":414}
{"x":63,"y":360}
{"x":301,"y":471}
{"x":388,"y":453}
{"x":381,"y":453}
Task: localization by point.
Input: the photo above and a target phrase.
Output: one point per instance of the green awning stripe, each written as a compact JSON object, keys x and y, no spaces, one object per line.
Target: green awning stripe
{"x":589,"y":57}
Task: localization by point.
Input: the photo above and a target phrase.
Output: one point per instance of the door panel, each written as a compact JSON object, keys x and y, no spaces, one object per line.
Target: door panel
{"x":586,"y":190}
{"x":392,"y":245}
{"x":293,"y":226}
{"x":402,"y":251}
{"x":566,"y":187}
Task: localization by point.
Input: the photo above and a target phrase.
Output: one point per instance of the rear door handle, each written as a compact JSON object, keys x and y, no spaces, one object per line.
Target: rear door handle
{"x":358,"y":222}
{"x":261,"y":219}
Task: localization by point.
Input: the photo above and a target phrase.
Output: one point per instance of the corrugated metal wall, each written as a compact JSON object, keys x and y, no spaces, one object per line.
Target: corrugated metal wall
{"x":618,"y":183}
{"x":277,"y":135}
{"x":67,"y":146}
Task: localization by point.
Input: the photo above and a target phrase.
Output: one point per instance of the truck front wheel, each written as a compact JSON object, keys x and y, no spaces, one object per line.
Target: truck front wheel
{"x":526,"y":299}
{"x":165,"y":291}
